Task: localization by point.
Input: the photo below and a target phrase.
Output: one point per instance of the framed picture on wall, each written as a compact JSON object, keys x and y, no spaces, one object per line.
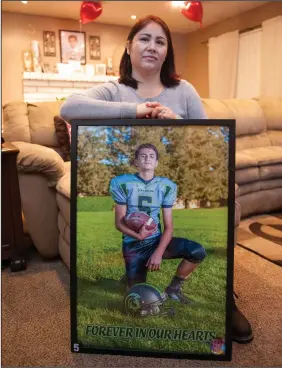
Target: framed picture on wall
{"x":100,"y":69}
{"x":143,"y":195}
{"x":94,"y":48}
{"x":72,"y":46}
{"x":49,"y":43}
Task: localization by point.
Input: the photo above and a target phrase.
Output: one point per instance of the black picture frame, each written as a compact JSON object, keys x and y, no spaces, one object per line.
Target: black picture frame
{"x":76,"y":345}
{"x":94,"y":47}
{"x":49,"y":43}
{"x":66,"y":53}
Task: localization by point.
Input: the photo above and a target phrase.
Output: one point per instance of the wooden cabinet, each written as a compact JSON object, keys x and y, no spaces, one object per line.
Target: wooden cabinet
{"x":12,"y":235}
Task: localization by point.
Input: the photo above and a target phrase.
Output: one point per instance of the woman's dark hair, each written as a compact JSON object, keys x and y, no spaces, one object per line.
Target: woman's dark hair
{"x":169,"y":78}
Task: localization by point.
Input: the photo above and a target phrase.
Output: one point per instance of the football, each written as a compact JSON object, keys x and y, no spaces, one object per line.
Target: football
{"x":136,"y":220}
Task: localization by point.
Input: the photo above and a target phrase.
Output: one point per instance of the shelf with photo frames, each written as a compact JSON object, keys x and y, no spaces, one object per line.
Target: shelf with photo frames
{"x":50,"y":87}
{"x":74,"y":77}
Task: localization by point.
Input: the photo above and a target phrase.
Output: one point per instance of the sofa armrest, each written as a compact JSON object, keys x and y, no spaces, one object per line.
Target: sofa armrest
{"x":237,"y":206}
{"x":64,"y":185}
{"x":237,"y":191}
{"x":34,"y":158}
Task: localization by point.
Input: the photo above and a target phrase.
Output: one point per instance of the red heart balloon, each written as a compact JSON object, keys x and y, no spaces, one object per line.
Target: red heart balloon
{"x":193,"y":10}
{"x":90,"y":11}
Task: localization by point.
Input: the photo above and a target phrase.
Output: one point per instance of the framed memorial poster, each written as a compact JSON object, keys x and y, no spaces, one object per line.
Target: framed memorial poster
{"x":152,"y":237}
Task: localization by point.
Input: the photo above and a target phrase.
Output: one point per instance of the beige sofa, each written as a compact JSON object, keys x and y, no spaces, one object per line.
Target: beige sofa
{"x":45,"y":178}
{"x":258,"y":150}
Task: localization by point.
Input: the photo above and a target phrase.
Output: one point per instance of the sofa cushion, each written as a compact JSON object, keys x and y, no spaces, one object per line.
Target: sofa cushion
{"x":58,"y":150}
{"x":63,"y":136}
{"x":261,"y":156}
{"x":237,"y":191}
{"x":237,"y":216}
{"x":270,"y":172}
{"x":275,"y":137}
{"x":15,"y":122}
{"x":34,"y":158}
{"x":247,"y":112}
{"x":253,"y":141}
{"x":248,"y":175}
{"x":217,"y":109}
{"x":68,"y":166}
{"x":41,"y":121}
{"x":41,"y":211}
{"x":63,"y":186}
{"x":64,"y":248}
{"x":64,"y":227}
{"x":261,"y":202}
{"x":64,"y":205}
{"x":243,"y":160}
{"x":260,"y":185}
{"x":272,"y":109}
{"x":253,"y":174}
{"x":249,"y":187}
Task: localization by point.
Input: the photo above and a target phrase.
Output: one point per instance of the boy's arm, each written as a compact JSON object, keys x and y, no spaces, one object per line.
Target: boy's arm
{"x":168,"y":230}
{"x":154,"y":262}
{"x":120,"y":213}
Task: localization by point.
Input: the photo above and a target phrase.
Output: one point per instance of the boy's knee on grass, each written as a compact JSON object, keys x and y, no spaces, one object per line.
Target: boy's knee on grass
{"x":196,"y":255}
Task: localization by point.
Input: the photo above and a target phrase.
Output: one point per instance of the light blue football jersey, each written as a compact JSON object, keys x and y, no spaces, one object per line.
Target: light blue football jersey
{"x":143,"y":196}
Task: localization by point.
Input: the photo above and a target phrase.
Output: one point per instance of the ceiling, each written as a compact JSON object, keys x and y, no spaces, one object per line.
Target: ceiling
{"x":119,"y":12}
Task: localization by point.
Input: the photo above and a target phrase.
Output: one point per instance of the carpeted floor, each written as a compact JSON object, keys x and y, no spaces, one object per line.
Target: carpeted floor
{"x":36,"y":323}
{"x":262,"y":235}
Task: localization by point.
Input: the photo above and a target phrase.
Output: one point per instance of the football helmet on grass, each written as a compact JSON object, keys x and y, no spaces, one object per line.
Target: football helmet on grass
{"x":143,"y":300}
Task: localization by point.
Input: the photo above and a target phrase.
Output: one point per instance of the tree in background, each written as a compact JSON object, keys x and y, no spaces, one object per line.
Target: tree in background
{"x":199,"y":163}
{"x":92,"y":174}
{"x":196,"y":158}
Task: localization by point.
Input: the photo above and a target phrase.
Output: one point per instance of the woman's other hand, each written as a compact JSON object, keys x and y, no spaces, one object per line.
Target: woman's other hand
{"x":160,"y":111}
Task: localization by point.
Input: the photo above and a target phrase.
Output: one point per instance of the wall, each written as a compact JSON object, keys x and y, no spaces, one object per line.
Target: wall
{"x":19,"y":29}
{"x":197,"y":47}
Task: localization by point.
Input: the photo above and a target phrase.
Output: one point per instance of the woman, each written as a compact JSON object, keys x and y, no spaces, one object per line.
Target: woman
{"x":148,"y":86}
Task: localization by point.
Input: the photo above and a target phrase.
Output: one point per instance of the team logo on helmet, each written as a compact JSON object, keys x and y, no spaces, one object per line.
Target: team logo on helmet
{"x":132,"y":302}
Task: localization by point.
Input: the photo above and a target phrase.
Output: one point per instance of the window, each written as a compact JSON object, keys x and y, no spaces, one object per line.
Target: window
{"x":249,"y":65}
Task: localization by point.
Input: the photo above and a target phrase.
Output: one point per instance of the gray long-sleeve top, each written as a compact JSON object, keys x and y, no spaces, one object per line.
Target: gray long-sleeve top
{"x":113,"y":100}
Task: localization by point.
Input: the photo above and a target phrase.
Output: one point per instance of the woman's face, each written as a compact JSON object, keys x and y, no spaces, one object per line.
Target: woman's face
{"x":148,"y":49}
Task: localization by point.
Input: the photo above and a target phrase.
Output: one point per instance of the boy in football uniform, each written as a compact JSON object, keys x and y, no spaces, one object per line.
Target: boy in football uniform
{"x":143,"y":251}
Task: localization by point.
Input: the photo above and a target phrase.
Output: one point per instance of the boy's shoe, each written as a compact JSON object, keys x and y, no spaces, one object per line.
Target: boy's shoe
{"x":177,"y":295}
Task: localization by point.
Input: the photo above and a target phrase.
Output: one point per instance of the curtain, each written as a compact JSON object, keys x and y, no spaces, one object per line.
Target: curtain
{"x":249,"y":65}
{"x":271,"y":61}
{"x":223,"y":61}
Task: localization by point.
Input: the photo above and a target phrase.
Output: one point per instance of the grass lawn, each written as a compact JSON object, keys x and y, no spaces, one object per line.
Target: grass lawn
{"x":100,"y":295}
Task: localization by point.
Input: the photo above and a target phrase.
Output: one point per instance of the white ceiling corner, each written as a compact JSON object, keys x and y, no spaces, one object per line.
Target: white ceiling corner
{"x":119,"y":12}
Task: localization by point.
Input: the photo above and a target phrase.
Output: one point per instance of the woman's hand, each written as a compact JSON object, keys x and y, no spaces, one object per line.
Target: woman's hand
{"x":143,"y":111}
{"x":160,"y":111}
{"x":154,"y":262}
